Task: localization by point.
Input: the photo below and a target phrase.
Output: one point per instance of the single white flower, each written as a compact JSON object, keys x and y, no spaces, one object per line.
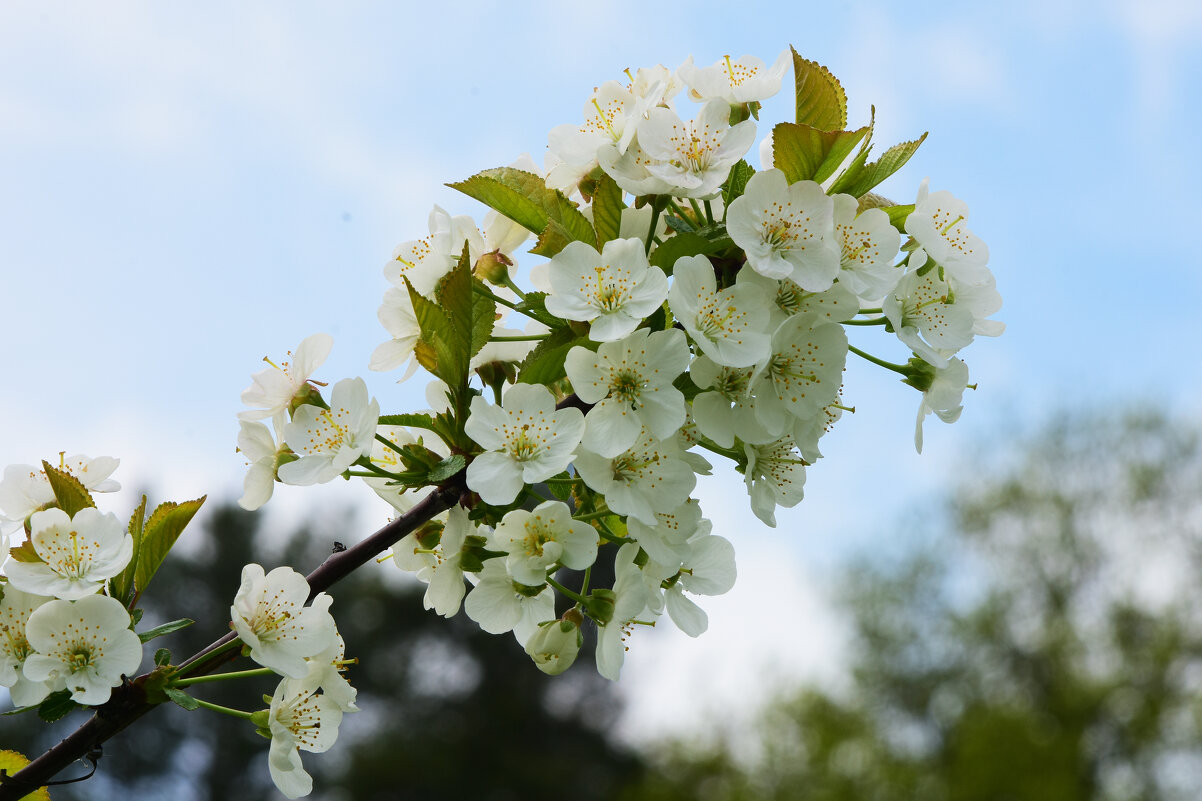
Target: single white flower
{"x":630,"y":603}
{"x":730,"y":325}
{"x":630,"y":383}
{"x":614,"y":289}
{"x":274,"y":387}
{"x":926,"y":313}
{"x":399,"y":320}
{"x":270,"y":616}
{"x":652,"y":476}
{"x":667,"y":541}
{"x":709,"y":570}
{"x":299,"y":719}
{"x":444,"y":573}
{"x":938,"y":224}
{"x":834,"y":305}
{"x":330,"y":440}
{"x":325,"y":673}
{"x":257,"y":444}
{"x":500,"y":604}
{"x":525,"y":440}
{"x":15,"y":609}
{"x":84,"y":646}
{"x":943,"y":397}
{"x":803,"y":374}
{"x":78,"y":553}
{"x":540,"y":539}
{"x":775,"y":476}
{"x":25,"y":488}
{"x":746,"y":79}
{"x":611,"y":118}
{"x":694,"y":157}
{"x":727,"y":409}
{"x":425,"y":261}
{"x":787,"y":230}
{"x":868,"y":245}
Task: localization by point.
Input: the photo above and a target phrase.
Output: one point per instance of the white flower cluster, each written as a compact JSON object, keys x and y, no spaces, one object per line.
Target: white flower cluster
{"x":302,"y":644}
{"x":710,"y":314}
{"x":59,"y":630}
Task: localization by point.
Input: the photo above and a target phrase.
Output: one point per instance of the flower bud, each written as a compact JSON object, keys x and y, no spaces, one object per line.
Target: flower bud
{"x":556,"y":643}
{"x":600,"y":605}
{"x":919,"y":374}
{"x":493,"y":267}
{"x":307,"y":394}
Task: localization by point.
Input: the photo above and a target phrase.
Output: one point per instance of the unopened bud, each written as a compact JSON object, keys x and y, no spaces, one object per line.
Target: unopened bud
{"x":493,"y":267}
{"x":555,"y":645}
{"x":307,"y":394}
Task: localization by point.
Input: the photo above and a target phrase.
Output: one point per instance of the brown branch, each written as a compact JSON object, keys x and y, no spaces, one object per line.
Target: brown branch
{"x":129,"y":701}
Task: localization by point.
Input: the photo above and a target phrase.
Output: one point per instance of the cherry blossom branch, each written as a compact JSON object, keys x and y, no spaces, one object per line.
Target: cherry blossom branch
{"x":130,"y":701}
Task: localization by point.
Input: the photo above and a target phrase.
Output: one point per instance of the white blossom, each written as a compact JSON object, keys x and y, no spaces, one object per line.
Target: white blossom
{"x":273,"y":389}
{"x":15,"y":608}
{"x":787,"y":230}
{"x":525,"y":440}
{"x":84,"y":646}
{"x":693,"y":157}
{"x":651,"y":476}
{"x":542,"y":538}
{"x":730,"y":325}
{"x":270,"y":617}
{"x":26,"y":489}
{"x":613,"y":290}
{"x":425,"y":261}
{"x":329,"y":441}
{"x":299,"y":719}
{"x":78,"y":553}
{"x":630,"y":384}
{"x":746,"y":79}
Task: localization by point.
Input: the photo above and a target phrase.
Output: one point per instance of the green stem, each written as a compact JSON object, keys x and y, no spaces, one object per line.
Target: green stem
{"x":897,"y":368}
{"x":237,"y":674}
{"x":679,"y":211}
{"x":522,"y":338}
{"x":877,"y":321}
{"x":608,"y":534}
{"x":871,"y":311}
{"x":389,"y":443}
{"x":713,"y":447}
{"x":696,"y":210}
{"x":654,"y":221}
{"x":709,"y":212}
{"x":225,"y":710}
{"x":593,"y":516}
{"x":516,"y":289}
{"x":480,"y":290}
{"x":575,"y":596}
{"x":588,"y":572}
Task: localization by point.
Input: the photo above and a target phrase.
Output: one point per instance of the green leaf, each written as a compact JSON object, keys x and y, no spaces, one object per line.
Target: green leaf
{"x":436,"y":350}
{"x":552,"y":240}
{"x":821,"y":101}
{"x":544,"y":364}
{"x":69,"y":494}
{"x":898,"y":215}
{"x":166,"y":628}
{"x":607,"y":210}
{"x":423,"y":421}
{"x":447,"y":468}
{"x":162,"y":657}
{"x":484,"y":316}
{"x":181,"y":698}
{"x":24,"y":553}
{"x":863,"y":179}
{"x":56,"y":706}
{"x":677,"y":247}
{"x":163,"y":528}
{"x":122,"y":585}
{"x":454,"y":295}
{"x":524,"y":198}
{"x":805,"y":153}
{"x":684,"y":382}
{"x":736,"y":182}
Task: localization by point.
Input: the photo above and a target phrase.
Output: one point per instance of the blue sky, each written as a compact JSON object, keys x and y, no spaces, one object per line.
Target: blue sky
{"x":185,"y":189}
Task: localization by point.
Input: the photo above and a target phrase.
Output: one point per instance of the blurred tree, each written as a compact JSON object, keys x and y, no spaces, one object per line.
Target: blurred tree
{"x":1050,"y":649}
{"x":448,"y":712}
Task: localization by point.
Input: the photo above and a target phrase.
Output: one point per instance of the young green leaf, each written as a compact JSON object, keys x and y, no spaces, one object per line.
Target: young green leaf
{"x":524,"y":198}
{"x":181,"y":698}
{"x":56,"y":706}
{"x":423,"y":421}
{"x":163,"y":528}
{"x":821,"y":101}
{"x":736,"y":184}
{"x":677,"y":247}
{"x":166,"y":628}
{"x":607,"y":210}
{"x":804,"y":153}
{"x":162,"y":657}
{"x":69,"y":494}
{"x":544,"y":364}
{"x":871,"y":175}
{"x":122,"y":585}
{"x":447,"y":468}
{"x":898,"y":215}
{"x":439,"y":350}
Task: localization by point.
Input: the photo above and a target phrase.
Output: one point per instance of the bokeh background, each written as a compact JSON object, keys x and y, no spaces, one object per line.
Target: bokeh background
{"x":186,"y":188}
